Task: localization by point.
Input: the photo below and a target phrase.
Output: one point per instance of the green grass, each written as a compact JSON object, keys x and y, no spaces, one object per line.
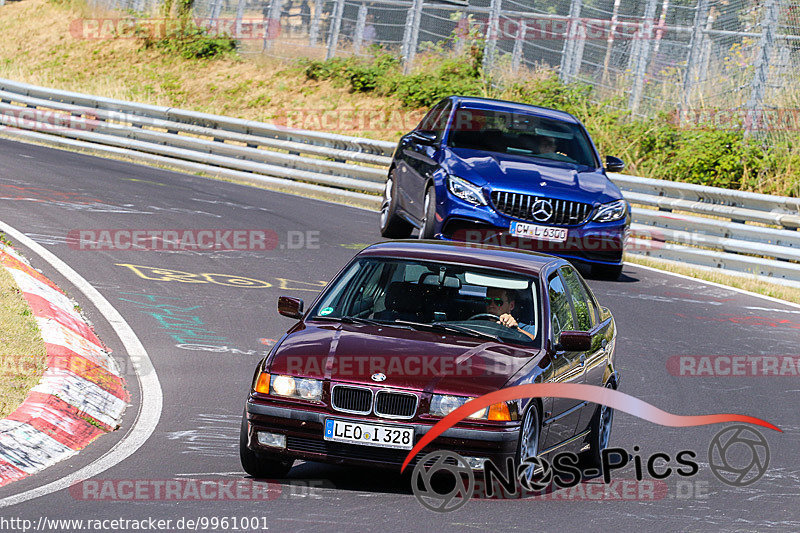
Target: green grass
{"x":22,"y":351}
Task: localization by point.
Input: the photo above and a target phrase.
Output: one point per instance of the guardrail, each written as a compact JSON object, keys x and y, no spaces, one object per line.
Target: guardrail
{"x":740,"y":232}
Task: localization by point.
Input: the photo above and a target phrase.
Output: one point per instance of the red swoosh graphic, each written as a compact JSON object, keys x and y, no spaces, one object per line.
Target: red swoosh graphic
{"x":590,"y":393}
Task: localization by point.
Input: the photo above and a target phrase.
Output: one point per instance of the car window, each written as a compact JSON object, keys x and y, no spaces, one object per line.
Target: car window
{"x":521,"y":133}
{"x":434,"y":296}
{"x":431,"y":121}
{"x":560,"y":311}
{"x":585,"y":309}
{"x":440,"y":123}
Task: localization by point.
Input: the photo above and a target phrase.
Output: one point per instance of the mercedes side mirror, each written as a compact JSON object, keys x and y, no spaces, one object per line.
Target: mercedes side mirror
{"x":614,"y":164}
{"x":424,"y":137}
{"x":291,"y":307}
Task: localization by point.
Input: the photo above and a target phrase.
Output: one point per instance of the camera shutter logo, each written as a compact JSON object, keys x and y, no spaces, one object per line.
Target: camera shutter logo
{"x":456,"y":492}
{"x":738,"y":455}
{"x":542,"y":210}
{"x":534,"y":473}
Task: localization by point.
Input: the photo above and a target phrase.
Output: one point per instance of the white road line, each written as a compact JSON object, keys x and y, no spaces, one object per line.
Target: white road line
{"x":149,"y":385}
{"x":713,"y":284}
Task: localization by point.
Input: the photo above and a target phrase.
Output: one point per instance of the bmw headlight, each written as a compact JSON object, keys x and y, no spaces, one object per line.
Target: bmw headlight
{"x":444,"y":404}
{"x":465,"y":190}
{"x":291,"y":387}
{"x":611,"y":211}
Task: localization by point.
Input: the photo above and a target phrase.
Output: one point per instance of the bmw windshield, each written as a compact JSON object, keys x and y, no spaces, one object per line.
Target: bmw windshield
{"x":455,"y":299}
{"x":520,"y":134}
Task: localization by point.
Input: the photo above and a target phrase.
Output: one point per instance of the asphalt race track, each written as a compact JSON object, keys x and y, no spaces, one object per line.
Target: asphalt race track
{"x":47,"y":193}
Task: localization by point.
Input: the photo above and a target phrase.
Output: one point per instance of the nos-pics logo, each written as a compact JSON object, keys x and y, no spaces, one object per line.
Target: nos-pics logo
{"x":443,"y":481}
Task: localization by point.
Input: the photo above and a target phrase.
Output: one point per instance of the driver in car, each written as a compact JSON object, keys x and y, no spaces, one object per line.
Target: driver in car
{"x":547,"y":145}
{"x":500,"y":302}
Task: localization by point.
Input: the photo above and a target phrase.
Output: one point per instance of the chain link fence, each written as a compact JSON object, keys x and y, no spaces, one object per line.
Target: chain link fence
{"x":714,"y":62}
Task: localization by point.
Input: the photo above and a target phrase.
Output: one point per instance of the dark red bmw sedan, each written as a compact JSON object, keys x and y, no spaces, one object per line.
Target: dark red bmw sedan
{"x":407,"y":332}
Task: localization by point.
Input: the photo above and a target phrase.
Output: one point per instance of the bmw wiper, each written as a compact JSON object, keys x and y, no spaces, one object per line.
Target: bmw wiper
{"x":469,"y":331}
{"x":438,"y":326}
{"x":354,"y":320}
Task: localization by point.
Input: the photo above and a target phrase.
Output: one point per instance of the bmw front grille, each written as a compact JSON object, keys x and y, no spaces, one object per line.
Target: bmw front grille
{"x":385,"y":403}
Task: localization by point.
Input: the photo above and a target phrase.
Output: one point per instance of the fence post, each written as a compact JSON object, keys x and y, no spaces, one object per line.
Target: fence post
{"x":313,"y":33}
{"x":662,"y":21}
{"x":643,"y":58}
{"x":610,"y":40}
{"x":411,"y":35}
{"x":336,"y":26}
{"x":490,"y":48}
{"x":705,"y":55}
{"x":239,"y":15}
{"x":516,"y":54}
{"x":216,"y":7}
{"x":361,"y":22}
{"x":568,"y":52}
{"x":694,"y":53}
{"x":755,"y":104}
{"x":577,"y":51}
{"x":273,"y":27}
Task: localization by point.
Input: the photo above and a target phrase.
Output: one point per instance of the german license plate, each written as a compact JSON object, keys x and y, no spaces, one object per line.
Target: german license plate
{"x":368,"y":434}
{"x":542,"y":233}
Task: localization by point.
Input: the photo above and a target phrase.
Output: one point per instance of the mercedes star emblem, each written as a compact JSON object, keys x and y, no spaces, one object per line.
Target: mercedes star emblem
{"x":542,"y":210}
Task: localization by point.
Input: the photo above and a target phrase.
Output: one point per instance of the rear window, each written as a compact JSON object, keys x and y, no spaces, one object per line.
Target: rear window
{"x":522,"y":134}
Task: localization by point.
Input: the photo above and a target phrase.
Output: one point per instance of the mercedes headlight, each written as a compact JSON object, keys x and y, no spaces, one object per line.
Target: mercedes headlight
{"x":611,"y":211}
{"x":301,"y":388}
{"x":465,"y":190}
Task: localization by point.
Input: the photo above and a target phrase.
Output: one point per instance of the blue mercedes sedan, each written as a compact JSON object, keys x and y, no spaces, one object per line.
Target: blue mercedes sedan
{"x":489,"y":171}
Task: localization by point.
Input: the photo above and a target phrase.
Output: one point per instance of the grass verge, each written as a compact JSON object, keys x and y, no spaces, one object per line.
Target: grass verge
{"x":22,"y":351}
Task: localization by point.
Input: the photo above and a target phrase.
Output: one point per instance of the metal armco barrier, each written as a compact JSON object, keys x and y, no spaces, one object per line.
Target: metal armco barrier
{"x":739,"y":232}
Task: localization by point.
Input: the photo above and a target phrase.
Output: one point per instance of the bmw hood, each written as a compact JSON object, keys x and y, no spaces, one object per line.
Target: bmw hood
{"x":504,"y":172}
{"x":409,"y":359}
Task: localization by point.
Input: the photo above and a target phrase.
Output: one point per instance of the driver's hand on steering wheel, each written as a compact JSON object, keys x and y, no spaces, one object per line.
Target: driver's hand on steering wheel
{"x":507,"y":320}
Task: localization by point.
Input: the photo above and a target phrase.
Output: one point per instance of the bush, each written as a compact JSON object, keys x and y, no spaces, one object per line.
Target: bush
{"x":548,"y":91}
{"x":325,"y":70}
{"x":191,"y":42}
{"x":718,"y":158}
{"x":365,"y":76}
{"x":424,"y":89}
{"x":382,"y":74}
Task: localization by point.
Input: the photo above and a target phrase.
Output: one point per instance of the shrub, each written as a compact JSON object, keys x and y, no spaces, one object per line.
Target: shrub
{"x":190,"y":42}
{"x":424,"y":89}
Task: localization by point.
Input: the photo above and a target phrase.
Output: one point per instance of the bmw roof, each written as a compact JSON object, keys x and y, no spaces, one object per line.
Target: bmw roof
{"x":511,"y":259}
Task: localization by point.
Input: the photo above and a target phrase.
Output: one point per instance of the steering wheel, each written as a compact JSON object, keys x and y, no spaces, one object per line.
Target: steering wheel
{"x":484,"y":316}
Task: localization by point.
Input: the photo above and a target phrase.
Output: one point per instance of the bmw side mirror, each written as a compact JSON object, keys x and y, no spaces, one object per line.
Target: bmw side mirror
{"x":574,"y":341}
{"x":291,"y":307}
{"x":614,"y":164}
{"x":424,"y":137}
